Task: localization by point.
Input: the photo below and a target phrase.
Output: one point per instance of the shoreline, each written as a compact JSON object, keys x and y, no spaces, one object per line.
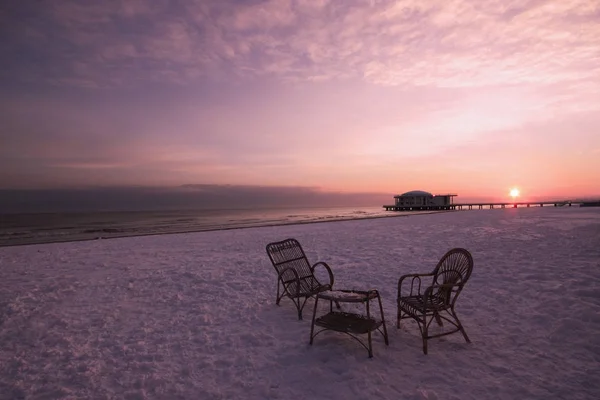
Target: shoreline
{"x":209,"y":229}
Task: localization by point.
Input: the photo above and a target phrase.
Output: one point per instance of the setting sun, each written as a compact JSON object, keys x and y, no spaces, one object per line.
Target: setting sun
{"x":514,"y":192}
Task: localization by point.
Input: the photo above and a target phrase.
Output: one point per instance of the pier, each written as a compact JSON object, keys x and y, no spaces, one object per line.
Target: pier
{"x":480,"y":206}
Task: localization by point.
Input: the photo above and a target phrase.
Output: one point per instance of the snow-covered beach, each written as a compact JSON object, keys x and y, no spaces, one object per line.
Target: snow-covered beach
{"x":192,"y":316}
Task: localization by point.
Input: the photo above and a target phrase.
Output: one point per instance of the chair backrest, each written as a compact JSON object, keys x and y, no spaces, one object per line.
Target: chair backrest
{"x":455,"y":268}
{"x":289,"y":254}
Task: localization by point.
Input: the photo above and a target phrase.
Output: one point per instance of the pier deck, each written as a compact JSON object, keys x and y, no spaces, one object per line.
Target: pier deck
{"x":470,"y":206}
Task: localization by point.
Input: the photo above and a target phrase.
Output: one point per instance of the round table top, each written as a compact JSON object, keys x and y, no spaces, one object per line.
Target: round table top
{"x":349,"y":296}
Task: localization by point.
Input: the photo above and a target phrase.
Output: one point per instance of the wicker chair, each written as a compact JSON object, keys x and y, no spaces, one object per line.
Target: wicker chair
{"x":295,"y":276}
{"x":436,"y":301}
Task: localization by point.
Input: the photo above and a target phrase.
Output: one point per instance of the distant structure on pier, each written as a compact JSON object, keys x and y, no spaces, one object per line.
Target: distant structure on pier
{"x":419,"y":200}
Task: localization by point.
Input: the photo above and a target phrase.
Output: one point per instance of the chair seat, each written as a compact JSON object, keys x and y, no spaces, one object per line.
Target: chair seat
{"x":308,"y":287}
{"x":415,"y":305}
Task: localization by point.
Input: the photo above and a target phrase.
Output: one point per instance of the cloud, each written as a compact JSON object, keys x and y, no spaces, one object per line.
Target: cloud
{"x":338,"y":93}
{"x":263,"y":15}
{"x":400,"y":42}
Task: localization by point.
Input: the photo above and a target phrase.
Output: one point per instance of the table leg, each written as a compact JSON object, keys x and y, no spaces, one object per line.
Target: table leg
{"x":312,"y":325}
{"x":385,"y":334}
{"x":369,"y":332}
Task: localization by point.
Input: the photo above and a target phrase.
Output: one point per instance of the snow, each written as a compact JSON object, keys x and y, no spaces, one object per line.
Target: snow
{"x":192,"y":316}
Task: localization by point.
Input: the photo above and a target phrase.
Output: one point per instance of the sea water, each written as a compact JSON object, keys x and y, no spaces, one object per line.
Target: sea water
{"x":18,"y":229}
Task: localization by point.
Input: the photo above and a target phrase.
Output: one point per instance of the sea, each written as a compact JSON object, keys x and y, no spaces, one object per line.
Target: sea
{"x":33,"y":228}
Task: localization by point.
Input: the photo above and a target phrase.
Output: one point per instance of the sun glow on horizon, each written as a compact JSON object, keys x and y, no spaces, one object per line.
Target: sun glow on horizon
{"x":514,"y":193}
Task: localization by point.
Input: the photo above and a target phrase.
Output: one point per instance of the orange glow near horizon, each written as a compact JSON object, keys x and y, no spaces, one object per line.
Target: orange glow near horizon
{"x":514,"y":193}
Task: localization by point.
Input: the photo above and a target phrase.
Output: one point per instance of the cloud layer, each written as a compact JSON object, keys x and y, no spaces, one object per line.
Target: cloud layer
{"x":400,"y":42}
{"x":352,"y":95}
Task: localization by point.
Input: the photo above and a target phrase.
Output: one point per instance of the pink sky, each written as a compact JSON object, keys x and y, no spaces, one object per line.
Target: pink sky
{"x":355,"y":96}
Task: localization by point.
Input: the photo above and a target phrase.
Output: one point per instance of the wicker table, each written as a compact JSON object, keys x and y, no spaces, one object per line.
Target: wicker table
{"x":350,"y":323}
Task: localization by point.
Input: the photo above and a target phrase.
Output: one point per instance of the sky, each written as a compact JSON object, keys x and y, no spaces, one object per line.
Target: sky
{"x":356,"y":97}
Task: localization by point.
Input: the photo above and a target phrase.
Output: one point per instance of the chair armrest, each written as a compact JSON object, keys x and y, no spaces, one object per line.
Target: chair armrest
{"x":412,"y":283}
{"x":297,"y":277}
{"x":324,"y":264}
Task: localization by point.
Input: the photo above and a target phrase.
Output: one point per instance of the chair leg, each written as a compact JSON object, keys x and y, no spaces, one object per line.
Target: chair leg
{"x":277,"y":299}
{"x":301,"y":306}
{"x":438,"y":319}
{"x":398,"y":318}
{"x":298,"y":307}
{"x":460,"y":326}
